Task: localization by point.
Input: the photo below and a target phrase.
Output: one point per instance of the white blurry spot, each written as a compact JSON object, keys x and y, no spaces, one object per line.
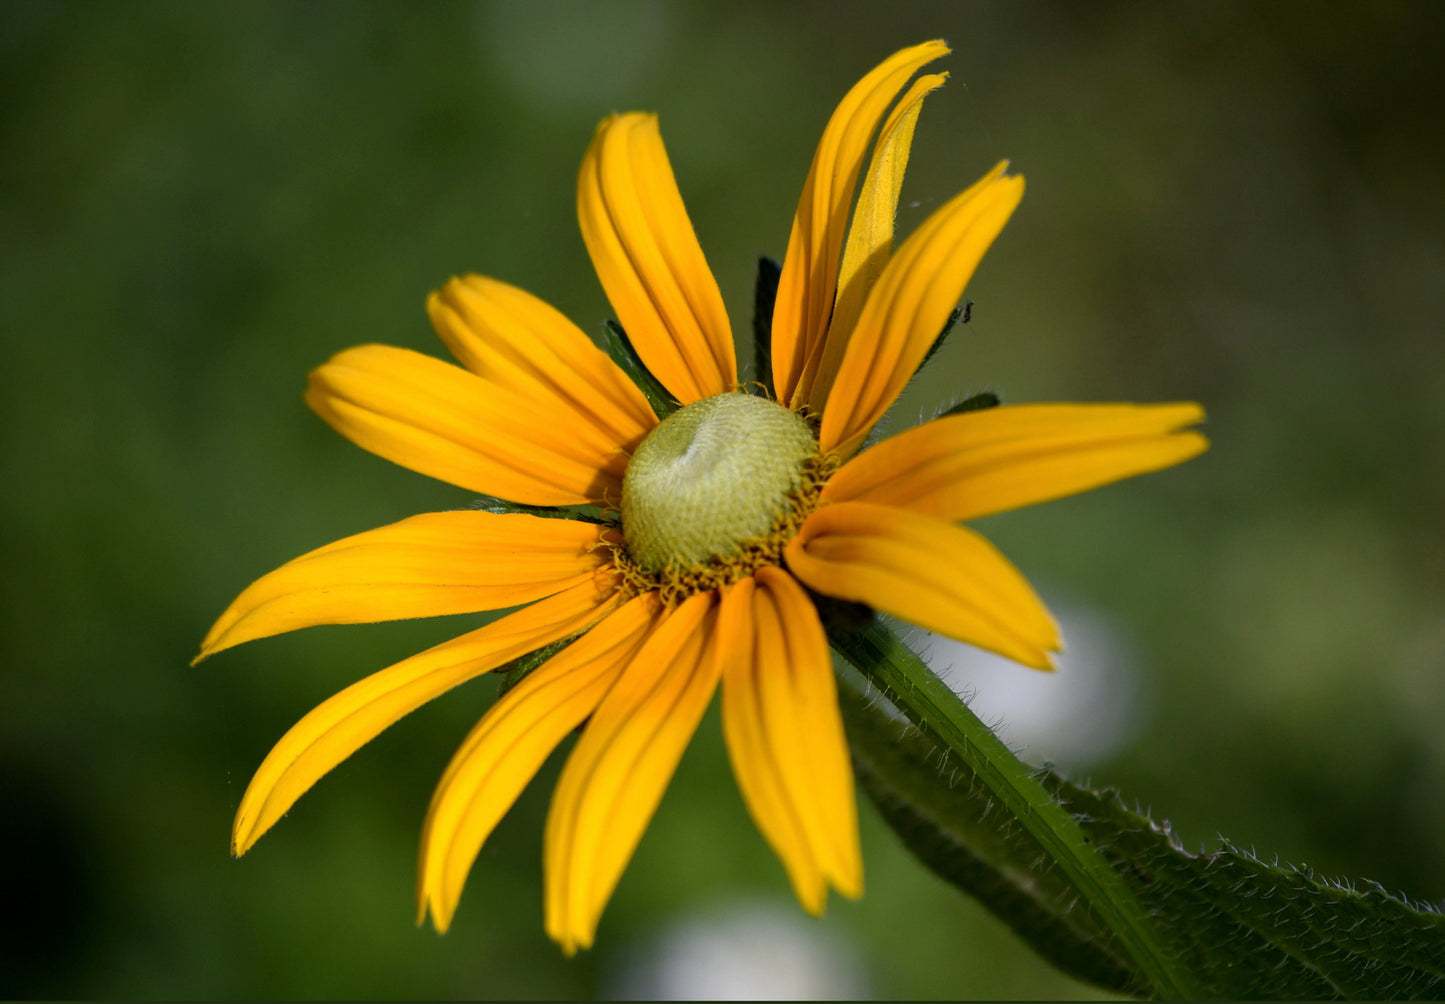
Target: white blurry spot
{"x":741,"y":950}
{"x":1080,"y":714}
{"x":568,"y":53}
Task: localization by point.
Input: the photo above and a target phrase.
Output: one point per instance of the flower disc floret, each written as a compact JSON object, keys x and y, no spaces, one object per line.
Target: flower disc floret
{"x":714,"y":474}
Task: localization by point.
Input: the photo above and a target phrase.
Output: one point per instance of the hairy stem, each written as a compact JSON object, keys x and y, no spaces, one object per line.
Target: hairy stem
{"x":938,"y":713}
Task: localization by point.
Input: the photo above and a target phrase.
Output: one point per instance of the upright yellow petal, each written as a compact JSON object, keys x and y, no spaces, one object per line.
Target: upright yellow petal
{"x":982,"y":462}
{"x":941,"y":577}
{"x":647,"y":256}
{"x":870,"y":236}
{"x":508,"y":746}
{"x":349,"y":720}
{"x":620,"y":767}
{"x":747,"y":744}
{"x":522,"y":343}
{"x":810,"y":270}
{"x":785,"y":735}
{"x":907,"y":308}
{"x":442,"y":421}
{"x":424,"y":566}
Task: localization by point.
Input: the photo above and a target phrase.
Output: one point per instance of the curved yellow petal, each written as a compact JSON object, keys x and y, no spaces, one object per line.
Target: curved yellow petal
{"x":785,"y":735}
{"x":941,"y":577}
{"x":907,"y":307}
{"x":810,"y":269}
{"x":509,"y":745}
{"x":870,"y":235}
{"x":647,"y":256}
{"x":341,"y":725}
{"x":424,"y":566}
{"x":620,"y":767}
{"x":442,"y":421}
{"x":975,"y":464}
{"x":747,"y":744}
{"x":522,"y":343}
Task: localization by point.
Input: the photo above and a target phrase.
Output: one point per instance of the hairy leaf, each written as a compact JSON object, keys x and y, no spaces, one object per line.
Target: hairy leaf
{"x":1241,"y":927}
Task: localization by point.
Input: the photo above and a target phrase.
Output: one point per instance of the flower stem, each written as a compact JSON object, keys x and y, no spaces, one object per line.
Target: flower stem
{"x":936,"y":711}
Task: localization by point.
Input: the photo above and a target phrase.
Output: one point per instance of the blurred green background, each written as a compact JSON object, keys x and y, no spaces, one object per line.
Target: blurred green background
{"x":1232,"y":203}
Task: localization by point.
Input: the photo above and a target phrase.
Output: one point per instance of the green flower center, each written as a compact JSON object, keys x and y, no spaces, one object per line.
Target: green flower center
{"x":710,"y":477}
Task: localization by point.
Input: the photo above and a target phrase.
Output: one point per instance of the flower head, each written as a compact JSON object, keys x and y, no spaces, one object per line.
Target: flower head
{"x":660,"y":547}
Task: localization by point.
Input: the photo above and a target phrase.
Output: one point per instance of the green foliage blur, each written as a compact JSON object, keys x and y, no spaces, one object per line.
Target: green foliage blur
{"x":1232,"y":203}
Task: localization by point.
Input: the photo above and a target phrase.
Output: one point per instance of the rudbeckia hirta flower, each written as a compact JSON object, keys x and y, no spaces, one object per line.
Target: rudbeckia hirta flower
{"x":663,"y":545}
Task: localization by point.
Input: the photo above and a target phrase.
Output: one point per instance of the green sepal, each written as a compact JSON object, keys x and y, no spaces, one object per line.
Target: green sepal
{"x":975,"y":402}
{"x":960,"y":315}
{"x":619,"y":347}
{"x":521,"y":667}
{"x":581,"y":513}
{"x":765,"y":294}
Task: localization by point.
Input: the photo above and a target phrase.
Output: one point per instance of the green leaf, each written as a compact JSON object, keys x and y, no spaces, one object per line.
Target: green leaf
{"x":945,"y":815}
{"x":619,"y":347}
{"x":1226,"y":924}
{"x":1253,"y":929}
{"x":947,"y":725}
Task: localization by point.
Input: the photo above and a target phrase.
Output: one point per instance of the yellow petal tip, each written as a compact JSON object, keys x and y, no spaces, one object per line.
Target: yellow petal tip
{"x":245,"y":832}
{"x":441,"y":915}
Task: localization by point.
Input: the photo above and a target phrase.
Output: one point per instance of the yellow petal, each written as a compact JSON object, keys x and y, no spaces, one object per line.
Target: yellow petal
{"x":870,"y":236}
{"x":442,"y":421}
{"x":343,"y":724}
{"x":510,"y":743}
{"x":646,"y":255}
{"x":620,"y":766}
{"x":936,"y":575}
{"x":747,"y":743}
{"x":785,"y":735}
{"x":810,"y":269}
{"x":982,"y":462}
{"x":907,"y":308}
{"x":519,"y":342}
{"x":425,"y":566}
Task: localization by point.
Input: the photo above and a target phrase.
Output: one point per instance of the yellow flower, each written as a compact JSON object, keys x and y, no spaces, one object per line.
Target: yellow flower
{"x":731,"y":510}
